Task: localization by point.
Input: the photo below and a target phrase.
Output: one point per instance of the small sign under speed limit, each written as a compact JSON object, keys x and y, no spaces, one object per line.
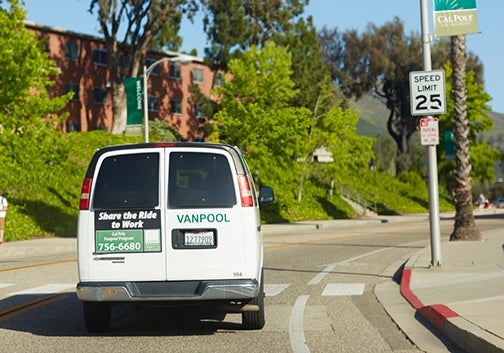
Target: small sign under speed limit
{"x":427,"y":92}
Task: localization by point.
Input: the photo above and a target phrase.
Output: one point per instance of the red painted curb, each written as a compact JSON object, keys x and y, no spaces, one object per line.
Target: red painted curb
{"x":406,"y":291}
{"x":437,"y":314}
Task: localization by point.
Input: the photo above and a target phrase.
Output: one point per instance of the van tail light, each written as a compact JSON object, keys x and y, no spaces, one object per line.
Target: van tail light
{"x":85,"y":194}
{"x":245,"y":192}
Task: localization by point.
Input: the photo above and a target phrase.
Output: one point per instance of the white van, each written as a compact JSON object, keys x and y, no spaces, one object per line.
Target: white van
{"x":170,"y":222}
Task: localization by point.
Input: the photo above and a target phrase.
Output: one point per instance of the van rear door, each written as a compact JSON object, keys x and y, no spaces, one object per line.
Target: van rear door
{"x":204,"y":221}
{"x":127,"y":242}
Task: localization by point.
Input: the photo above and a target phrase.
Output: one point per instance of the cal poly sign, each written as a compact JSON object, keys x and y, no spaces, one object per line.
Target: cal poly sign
{"x":455,"y":17}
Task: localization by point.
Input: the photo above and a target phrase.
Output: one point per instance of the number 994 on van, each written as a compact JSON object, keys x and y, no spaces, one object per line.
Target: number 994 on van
{"x":174,"y":223}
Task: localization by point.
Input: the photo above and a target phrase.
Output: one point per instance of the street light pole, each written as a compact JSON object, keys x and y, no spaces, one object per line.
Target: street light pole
{"x":147,"y":71}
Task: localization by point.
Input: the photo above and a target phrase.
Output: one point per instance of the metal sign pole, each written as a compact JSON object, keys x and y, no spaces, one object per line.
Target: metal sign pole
{"x":435,"y":233}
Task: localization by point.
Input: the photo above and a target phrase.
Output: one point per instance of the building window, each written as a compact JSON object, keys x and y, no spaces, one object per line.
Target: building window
{"x":100,"y":57}
{"x":148,"y":63}
{"x":71,"y":87}
{"x":175,"y":71}
{"x":153,"y":104}
{"x":71,"y":51}
{"x":218,"y":80}
{"x":100,"y":95}
{"x":176,"y":106}
{"x":73,"y":127}
{"x":44,"y":40}
{"x":197,"y":75}
{"x":198,"y":113}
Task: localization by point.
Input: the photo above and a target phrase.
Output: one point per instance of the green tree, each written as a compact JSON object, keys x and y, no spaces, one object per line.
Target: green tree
{"x":233,"y":26}
{"x":337,"y":130}
{"x":310,"y":74}
{"x":225,"y":24}
{"x":384,"y":150}
{"x":28,"y":120}
{"x":482,"y":155}
{"x":255,"y":113}
{"x":25,"y":74}
{"x":380,"y":60}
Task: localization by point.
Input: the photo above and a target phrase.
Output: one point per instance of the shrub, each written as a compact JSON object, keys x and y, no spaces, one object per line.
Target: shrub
{"x":41,"y":177}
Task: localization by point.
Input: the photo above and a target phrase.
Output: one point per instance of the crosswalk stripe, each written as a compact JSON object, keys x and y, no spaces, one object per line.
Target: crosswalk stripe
{"x":342,"y":289}
{"x":274,"y":289}
{"x":47,"y":289}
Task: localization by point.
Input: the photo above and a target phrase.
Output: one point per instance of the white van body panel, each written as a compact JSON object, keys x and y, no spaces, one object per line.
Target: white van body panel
{"x":116,"y":267}
{"x":237,"y":256}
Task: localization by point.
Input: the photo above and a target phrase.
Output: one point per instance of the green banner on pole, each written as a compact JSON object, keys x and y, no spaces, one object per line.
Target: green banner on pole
{"x":133,"y":87}
{"x":455,"y":17}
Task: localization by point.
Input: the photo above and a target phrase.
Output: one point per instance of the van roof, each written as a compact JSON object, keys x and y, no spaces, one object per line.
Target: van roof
{"x":234,"y":151}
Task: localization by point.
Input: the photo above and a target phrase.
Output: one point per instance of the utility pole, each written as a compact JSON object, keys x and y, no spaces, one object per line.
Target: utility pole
{"x":435,"y":234}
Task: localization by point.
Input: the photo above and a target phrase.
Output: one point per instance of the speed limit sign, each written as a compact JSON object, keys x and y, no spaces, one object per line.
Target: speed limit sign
{"x":427,"y":92}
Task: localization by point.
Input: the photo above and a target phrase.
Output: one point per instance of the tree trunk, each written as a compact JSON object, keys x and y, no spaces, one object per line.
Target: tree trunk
{"x":119,"y":108}
{"x":400,"y":165}
{"x":465,"y":226}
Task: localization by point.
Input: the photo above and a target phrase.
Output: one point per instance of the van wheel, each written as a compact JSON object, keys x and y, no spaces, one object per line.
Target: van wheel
{"x":97,"y":316}
{"x":255,"y":320}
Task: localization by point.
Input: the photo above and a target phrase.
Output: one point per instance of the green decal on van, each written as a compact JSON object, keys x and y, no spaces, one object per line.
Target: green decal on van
{"x":203,"y":217}
{"x":112,"y":241}
{"x":128,"y":241}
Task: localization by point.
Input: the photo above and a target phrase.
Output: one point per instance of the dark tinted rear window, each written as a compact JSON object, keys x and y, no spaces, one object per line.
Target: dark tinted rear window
{"x":200,"y":180}
{"x":128,"y":181}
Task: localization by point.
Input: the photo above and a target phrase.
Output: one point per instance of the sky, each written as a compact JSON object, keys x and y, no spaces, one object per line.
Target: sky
{"x":342,"y":14}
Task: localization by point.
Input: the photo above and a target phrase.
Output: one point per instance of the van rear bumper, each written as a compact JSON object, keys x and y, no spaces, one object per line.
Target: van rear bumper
{"x":168,"y":291}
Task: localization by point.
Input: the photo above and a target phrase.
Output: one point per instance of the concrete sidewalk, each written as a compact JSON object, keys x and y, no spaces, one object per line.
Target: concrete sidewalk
{"x":463,"y":298}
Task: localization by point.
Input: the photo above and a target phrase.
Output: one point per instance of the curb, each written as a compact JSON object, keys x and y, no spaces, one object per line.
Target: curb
{"x":461,"y":332}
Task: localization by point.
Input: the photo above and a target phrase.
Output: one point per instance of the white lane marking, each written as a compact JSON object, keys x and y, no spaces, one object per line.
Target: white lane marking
{"x":329,"y":268}
{"x":340,"y":289}
{"x":320,"y":276}
{"x":274,"y":289}
{"x":296,"y":333}
{"x":47,"y":289}
{"x":3,"y":285}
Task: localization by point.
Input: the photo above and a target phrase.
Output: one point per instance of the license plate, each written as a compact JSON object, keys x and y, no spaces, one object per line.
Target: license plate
{"x":199,"y":239}
{"x":194,"y":238}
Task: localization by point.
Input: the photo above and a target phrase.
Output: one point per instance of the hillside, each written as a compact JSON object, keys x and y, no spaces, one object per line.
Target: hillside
{"x":495,"y":136}
{"x":373,"y":116}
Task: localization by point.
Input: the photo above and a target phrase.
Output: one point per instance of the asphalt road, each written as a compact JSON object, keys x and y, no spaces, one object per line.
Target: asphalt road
{"x":319,"y":298}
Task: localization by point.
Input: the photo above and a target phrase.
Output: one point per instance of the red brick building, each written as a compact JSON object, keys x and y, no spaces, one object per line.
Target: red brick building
{"x":82,"y":60}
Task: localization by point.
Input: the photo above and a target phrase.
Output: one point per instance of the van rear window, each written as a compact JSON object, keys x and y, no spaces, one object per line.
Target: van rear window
{"x":200,"y":180}
{"x":128,"y":181}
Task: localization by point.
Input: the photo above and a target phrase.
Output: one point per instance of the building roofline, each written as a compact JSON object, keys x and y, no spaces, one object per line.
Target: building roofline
{"x":168,"y":53}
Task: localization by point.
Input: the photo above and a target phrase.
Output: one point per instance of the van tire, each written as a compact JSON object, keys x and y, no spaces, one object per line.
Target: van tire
{"x":97,"y":316}
{"x":255,"y":320}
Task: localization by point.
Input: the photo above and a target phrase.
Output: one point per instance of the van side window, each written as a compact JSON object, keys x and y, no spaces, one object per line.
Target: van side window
{"x":200,"y":180}
{"x":128,"y":181}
